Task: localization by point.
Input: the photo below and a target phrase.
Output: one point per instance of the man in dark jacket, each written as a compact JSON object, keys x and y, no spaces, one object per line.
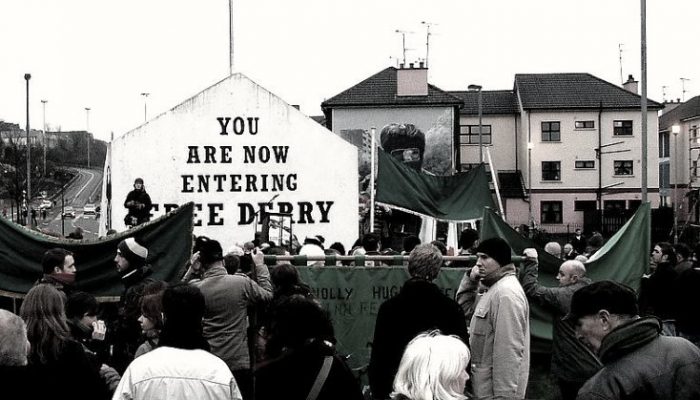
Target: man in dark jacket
{"x":59,"y":269}
{"x":572,"y":362}
{"x":419,"y":306}
{"x":126,"y":332}
{"x":139,"y":204}
{"x":638,"y":362}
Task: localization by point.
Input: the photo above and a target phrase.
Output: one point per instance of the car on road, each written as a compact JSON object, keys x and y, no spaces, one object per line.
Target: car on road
{"x":68,"y":212}
{"x":90,"y":209}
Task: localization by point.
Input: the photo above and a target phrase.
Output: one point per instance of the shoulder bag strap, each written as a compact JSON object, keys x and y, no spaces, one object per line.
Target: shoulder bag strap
{"x":320,"y":378}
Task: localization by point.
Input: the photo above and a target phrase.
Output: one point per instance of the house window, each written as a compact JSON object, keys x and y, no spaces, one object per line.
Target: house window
{"x":469,"y":134}
{"x":614,"y":204}
{"x":584,"y":205}
{"x":551,"y":131}
{"x":664,"y":144}
{"x":584,"y":124}
{"x":587,"y":164}
{"x":694,"y":169}
{"x":664,"y":176}
{"x":551,"y":170}
{"x":622,"y":128}
{"x":623,"y":167}
{"x":551,"y":212}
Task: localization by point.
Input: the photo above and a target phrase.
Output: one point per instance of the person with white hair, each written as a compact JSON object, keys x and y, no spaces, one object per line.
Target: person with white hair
{"x":14,"y":345}
{"x":572,"y":362}
{"x":553,"y":248}
{"x":433,"y":367}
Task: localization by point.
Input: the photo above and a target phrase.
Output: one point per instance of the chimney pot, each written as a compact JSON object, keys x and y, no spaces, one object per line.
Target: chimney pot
{"x":421,"y":64}
{"x":630,"y":78}
{"x":410,"y":65}
{"x":401,"y":65}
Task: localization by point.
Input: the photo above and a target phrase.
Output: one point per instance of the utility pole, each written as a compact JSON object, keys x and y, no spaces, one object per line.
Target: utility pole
{"x":644,"y":100}
{"x":145,"y":100}
{"x":43,"y":103}
{"x":683,"y":80}
{"x":663,"y":93}
{"x":87,"y":130}
{"x":230,"y":37}
{"x":27,"y":77}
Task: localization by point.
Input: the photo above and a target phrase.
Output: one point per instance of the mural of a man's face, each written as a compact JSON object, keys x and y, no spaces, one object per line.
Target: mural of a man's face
{"x":404,"y":142}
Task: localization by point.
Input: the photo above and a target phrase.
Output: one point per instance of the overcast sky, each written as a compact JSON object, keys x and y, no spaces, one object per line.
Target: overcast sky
{"x":104,"y":54}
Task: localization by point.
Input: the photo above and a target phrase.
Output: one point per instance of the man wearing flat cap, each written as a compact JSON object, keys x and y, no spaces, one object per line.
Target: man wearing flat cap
{"x":499,"y":330}
{"x":419,"y":306}
{"x":227,"y":300}
{"x":638,"y":362}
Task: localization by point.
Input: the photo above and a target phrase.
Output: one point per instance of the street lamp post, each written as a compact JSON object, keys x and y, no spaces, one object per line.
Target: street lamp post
{"x":530,"y":146}
{"x":145,"y":98}
{"x":87,"y":130}
{"x":675,"y":129}
{"x":43,"y":103}
{"x":481,"y":150}
{"x":27,"y":77}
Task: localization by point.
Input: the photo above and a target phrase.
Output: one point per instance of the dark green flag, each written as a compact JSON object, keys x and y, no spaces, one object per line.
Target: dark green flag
{"x":624,"y":258}
{"x":168,"y":240}
{"x":457,"y":197}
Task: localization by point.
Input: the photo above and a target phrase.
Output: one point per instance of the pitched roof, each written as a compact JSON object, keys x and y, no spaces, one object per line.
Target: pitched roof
{"x":380,"y":90}
{"x":492,"y":102}
{"x":689,"y":109}
{"x":574,"y":91}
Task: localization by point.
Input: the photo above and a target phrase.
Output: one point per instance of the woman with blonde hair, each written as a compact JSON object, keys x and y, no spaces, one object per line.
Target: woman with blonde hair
{"x":433,"y":367}
{"x":57,"y":363}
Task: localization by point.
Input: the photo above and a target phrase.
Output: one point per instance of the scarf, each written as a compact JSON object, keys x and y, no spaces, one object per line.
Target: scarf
{"x":64,"y":278}
{"x":628,"y":337}
{"x":496,"y":275}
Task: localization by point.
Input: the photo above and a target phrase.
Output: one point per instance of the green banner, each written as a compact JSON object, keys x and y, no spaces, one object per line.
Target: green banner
{"x":457,"y":197}
{"x":168,"y":239}
{"x":353,"y":295}
{"x":624,"y":258}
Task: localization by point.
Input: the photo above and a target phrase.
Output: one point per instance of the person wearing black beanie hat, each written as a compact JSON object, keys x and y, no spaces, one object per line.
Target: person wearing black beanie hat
{"x":500,"y":325}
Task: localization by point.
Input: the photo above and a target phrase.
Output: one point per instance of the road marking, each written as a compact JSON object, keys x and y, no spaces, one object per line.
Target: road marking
{"x":92,"y":176}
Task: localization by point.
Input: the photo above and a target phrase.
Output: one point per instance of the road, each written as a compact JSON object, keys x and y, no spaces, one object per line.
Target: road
{"x":86,"y":188}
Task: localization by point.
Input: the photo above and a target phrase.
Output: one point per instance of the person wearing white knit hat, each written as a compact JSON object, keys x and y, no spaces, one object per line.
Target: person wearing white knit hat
{"x":134,"y":272}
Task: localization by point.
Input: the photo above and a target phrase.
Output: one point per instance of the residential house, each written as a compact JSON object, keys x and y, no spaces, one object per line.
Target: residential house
{"x":562,"y":144}
{"x":679,"y":153}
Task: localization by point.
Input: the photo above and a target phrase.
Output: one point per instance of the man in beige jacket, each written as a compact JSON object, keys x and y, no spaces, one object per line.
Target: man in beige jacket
{"x":499,"y":331}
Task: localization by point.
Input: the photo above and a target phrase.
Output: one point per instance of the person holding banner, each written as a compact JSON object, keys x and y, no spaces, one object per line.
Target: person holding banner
{"x":420,"y":306}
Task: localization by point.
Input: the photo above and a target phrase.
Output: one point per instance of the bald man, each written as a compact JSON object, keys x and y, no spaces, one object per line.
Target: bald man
{"x":572,"y":362}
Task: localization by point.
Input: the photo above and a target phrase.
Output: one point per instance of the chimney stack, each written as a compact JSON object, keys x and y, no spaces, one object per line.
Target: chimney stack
{"x":412,"y":81}
{"x":631,"y":85}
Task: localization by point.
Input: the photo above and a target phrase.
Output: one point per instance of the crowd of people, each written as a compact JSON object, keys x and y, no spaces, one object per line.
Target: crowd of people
{"x":234,"y":328}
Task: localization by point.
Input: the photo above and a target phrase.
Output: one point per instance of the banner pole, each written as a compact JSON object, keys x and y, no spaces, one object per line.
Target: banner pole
{"x":373,"y":156}
{"x":495,"y":183}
